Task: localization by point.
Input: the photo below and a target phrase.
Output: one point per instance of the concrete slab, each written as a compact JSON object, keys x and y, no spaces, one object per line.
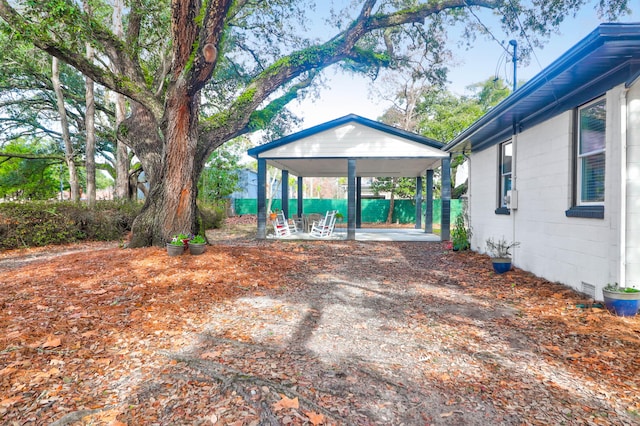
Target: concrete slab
{"x":370,"y":234}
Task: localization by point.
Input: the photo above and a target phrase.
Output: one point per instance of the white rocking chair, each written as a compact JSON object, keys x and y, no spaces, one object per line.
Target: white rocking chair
{"x":280,"y":225}
{"x":324,"y":227}
{"x":283,"y":227}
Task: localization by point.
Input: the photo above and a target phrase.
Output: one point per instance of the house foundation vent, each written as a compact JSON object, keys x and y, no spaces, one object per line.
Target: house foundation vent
{"x":589,"y":290}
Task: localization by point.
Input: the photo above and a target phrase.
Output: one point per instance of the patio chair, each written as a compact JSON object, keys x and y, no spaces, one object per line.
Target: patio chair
{"x":310,"y":219}
{"x":293,"y":227}
{"x":324,"y":227}
{"x":281,"y":225}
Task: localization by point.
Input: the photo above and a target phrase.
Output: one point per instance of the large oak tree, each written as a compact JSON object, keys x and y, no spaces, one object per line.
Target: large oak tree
{"x":198,"y":73}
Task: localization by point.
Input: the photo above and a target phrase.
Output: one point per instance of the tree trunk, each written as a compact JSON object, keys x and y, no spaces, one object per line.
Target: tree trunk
{"x":122,"y":156}
{"x":90,"y":149}
{"x":122,"y":153}
{"x":392,"y":200}
{"x":69,"y":153}
{"x":170,"y":207}
{"x":91,"y":144}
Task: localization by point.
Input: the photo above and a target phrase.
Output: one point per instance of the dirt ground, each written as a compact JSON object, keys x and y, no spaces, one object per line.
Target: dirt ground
{"x":303,"y":333}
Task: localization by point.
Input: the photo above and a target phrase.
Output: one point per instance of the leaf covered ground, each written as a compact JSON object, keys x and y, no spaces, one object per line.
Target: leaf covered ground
{"x":303,"y":333}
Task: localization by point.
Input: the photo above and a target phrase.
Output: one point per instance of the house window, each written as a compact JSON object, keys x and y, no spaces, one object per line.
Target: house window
{"x":591,"y":154}
{"x":506,"y":156}
{"x":591,"y":120}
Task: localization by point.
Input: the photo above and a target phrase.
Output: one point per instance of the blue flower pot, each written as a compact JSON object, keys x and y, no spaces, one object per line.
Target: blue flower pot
{"x":501,"y":265}
{"x":621,"y":304}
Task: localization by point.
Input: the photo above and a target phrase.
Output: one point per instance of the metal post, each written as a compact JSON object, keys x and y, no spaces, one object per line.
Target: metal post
{"x":359,"y":202}
{"x":418,"y":202}
{"x":515,"y":63}
{"x":351,"y":199}
{"x":285,"y":193}
{"x":262,"y":198}
{"x":445,"y":220}
{"x":300,"y":195}
{"x":428,"y":220}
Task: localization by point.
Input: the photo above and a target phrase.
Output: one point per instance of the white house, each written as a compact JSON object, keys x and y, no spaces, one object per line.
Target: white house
{"x":556,"y":166}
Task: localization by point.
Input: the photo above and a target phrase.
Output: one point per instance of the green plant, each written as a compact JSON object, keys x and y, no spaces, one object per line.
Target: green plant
{"x":500,"y":249}
{"x":460,"y":234}
{"x":40,"y":223}
{"x":198,"y":239}
{"x":212,"y":216}
{"x":615,"y":288}
{"x":179,"y":239}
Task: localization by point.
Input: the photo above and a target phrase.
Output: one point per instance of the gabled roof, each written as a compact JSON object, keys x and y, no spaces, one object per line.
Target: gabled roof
{"x":607,"y":57}
{"x":379,"y":150}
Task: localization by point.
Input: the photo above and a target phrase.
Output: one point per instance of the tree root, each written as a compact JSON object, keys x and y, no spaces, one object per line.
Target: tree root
{"x":75,"y":416}
{"x":233,"y":379}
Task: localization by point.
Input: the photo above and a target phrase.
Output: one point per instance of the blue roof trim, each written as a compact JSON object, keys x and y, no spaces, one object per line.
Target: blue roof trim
{"x":608,"y":56}
{"x":255,"y":152}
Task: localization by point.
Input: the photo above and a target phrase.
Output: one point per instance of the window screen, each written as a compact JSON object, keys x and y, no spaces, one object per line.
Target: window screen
{"x":591,"y":153}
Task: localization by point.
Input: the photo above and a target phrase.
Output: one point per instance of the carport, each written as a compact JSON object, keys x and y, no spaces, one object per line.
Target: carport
{"x":355,"y":147}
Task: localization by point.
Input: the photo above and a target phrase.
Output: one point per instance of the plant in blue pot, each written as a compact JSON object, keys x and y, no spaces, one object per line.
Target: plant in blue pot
{"x":500,"y":252}
{"x":622,"y":301}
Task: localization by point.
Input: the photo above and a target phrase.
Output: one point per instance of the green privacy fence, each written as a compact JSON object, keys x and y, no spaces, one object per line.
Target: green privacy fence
{"x":373,"y":211}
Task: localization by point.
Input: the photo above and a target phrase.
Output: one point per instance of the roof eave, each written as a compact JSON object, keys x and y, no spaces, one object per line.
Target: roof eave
{"x":255,"y":152}
{"x":604,"y":33}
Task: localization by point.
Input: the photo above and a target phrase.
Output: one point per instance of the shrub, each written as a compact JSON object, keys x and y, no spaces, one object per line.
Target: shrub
{"x":460,"y":234}
{"x":212,"y":216}
{"x":33,"y":224}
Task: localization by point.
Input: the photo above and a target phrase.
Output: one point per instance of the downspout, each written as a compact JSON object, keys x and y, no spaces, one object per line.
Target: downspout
{"x":514,"y":186}
{"x":623,"y":186}
{"x":468,"y":194}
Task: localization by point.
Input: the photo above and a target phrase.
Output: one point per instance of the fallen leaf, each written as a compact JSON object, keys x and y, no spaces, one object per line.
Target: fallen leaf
{"x":10,"y":401}
{"x":52,"y":342}
{"x":449,"y":414}
{"x":286,"y":402}
{"x":13,"y":335}
{"x":7,"y":370}
{"x":210,"y":355}
{"x":315,"y":418}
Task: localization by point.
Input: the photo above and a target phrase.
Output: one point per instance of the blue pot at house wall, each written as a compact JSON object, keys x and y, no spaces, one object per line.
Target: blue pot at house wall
{"x":501,"y":265}
{"x":622,"y":304}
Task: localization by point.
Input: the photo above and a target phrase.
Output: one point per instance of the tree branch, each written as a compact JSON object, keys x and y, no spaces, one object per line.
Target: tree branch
{"x":132,"y":86}
{"x":28,"y":156}
{"x":342,"y":46}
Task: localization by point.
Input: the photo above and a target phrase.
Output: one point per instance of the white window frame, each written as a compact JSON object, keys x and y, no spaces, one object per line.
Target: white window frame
{"x":582,"y":155}
{"x":504,"y":175}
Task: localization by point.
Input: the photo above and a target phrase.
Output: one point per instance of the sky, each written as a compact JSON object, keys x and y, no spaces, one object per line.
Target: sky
{"x":347,"y":94}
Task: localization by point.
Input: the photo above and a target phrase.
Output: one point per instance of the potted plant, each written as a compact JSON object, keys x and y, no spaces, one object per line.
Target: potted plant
{"x":177,"y":245}
{"x":197,"y":245}
{"x":500,"y":252}
{"x":622,"y":301}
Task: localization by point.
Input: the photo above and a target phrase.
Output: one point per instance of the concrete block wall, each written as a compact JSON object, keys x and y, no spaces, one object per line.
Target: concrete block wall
{"x":564,"y":249}
{"x":632,"y":246}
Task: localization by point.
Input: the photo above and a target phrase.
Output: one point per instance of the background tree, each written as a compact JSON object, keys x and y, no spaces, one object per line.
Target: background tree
{"x":443,"y":116}
{"x":31,"y":116}
{"x":252,"y":55}
{"x":220,"y":176}
{"x":31,"y":173}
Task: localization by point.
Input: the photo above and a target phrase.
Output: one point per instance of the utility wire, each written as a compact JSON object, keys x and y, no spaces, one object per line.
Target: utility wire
{"x":524,"y":34}
{"x":485,"y":27}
